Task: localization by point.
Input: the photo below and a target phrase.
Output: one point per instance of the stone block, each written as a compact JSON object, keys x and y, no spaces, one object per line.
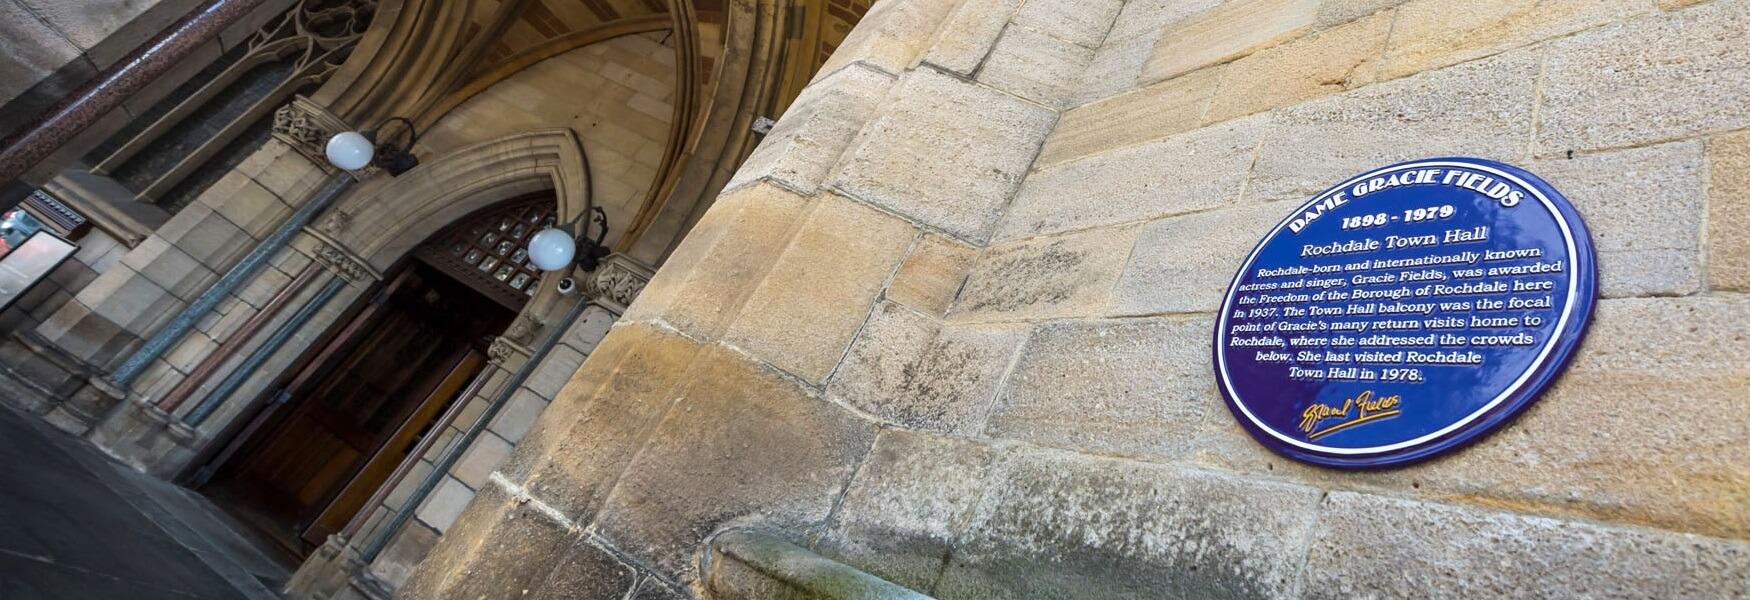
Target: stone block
{"x":802,"y":316}
{"x":903,"y":514}
{"x":653,"y":588}
{"x":1137,"y":387}
{"x":1064,"y":525}
{"x":931,"y":276}
{"x":890,"y":36}
{"x":1146,"y":18}
{"x":403,"y":554}
{"x":964,"y":41}
{"x":518,"y":415}
{"x":445,"y":504}
{"x":130,"y":300}
{"x":1436,"y":33}
{"x":703,"y":284}
{"x":1375,"y":546}
{"x":1035,"y":66}
{"x":554,"y":371}
{"x":1113,"y":70}
{"x":1184,"y":264}
{"x":1728,"y":212}
{"x":529,"y":555}
{"x":261,"y":288}
{"x":212,"y":239}
{"x":189,"y":352}
{"x":170,"y":268}
{"x":32,"y":49}
{"x":1337,"y":59}
{"x":449,"y":562}
{"x":1646,"y":209}
{"x":744,"y":445}
{"x":1661,"y":77}
{"x":1045,"y":277}
{"x":246,"y":204}
{"x":580,"y":450}
{"x":816,"y":129}
{"x":1229,"y":31}
{"x":1481,"y":108}
{"x":480,"y":459}
{"x":945,"y":152}
{"x":924,"y":374}
{"x":1189,"y":172}
{"x":1080,"y":22}
{"x":1150,"y":113}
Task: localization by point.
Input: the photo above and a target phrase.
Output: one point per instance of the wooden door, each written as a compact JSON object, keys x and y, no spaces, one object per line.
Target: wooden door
{"x":358,"y":407}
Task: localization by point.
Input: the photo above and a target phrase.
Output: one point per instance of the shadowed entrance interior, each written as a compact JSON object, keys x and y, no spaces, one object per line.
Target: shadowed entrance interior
{"x":365,"y":399}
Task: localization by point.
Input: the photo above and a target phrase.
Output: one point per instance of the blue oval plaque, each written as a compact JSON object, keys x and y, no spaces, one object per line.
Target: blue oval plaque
{"x":1405,"y":312}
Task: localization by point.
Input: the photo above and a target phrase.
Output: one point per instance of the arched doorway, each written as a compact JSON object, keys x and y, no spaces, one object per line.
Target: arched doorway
{"x":358,"y":403}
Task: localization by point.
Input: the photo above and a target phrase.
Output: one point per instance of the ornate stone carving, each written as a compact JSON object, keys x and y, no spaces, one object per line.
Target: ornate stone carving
{"x":522,"y":330}
{"x":343,"y":263}
{"x":502,"y":350}
{"x":616,"y":283}
{"x":306,"y":127}
{"x":335,"y":223}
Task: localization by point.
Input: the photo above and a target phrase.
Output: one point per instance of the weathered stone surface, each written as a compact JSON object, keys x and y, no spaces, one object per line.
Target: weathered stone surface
{"x":816,"y":129}
{"x":1661,"y":77}
{"x":1193,"y":171}
{"x":1728,"y":212}
{"x":702,"y":285}
{"x":1113,"y":70}
{"x":930,"y":277}
{"x":1645,"y":208}
{"x":1081,"y":22}
{"x":654,"y":589}
{"x":743,"y":446}
{"x":449,"y":561}
{"x":924,"y":374}
{"x":804,"y":314}
{"x":1433,"y":34}
{"x":518,"y":554}
{"x":1138,"y":386}
{"x":594,"y":431}
{"x":445,"y":504}
{"x":586,"y":571}
{"x":1380,"y":547}
{"x":890,"y":36}
{"x":1330,"y":61}
{"x":903,"y":513}
{"x":1481,"y":108}
{"x":1035,"y":66}
{"x":1233,"y":29}
{"x":1150,"y":113}
{"x":963,"y":42}
{"x":246,"y":204}
{"x":130,"y":300}
{"x":1146,"y":18}
{"x":1337,"y":12}
{"x":754,"y":564}
{"x":1184,"y":264}
{"x":945,"y":152}
{"x":1063,"y":525}
{"x":1046,"y":276}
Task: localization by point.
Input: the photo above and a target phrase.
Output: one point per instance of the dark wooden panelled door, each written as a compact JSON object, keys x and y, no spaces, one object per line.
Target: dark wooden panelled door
{"x":362,"y":404}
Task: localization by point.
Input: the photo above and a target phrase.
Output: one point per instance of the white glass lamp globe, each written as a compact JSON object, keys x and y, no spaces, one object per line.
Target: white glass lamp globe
{"x":350,"y":150}
{"x":551,"y":249}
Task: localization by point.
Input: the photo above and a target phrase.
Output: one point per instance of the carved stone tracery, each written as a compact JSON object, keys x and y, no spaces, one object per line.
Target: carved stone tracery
{"x":616,"y":283}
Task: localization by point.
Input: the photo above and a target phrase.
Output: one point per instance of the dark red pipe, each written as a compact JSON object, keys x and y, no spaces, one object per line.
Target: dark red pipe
{"x":73,"y":114}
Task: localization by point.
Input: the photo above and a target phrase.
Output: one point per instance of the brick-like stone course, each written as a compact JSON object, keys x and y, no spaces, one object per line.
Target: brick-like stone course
{"x":923,"y":374}
{"x":1229,"y":31}
{"x":945,"y":152}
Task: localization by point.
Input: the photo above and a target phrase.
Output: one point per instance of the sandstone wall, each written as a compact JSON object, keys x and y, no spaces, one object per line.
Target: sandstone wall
{"x":951,"y":322}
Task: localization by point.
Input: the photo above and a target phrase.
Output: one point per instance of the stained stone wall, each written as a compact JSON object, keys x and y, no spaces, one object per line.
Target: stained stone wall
{"x":951,"y":323}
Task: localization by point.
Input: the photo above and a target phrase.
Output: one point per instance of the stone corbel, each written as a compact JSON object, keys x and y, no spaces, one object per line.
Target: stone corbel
{"x":306,"y":127}
{"x":336,"y":258}
{"x":616,"y":283}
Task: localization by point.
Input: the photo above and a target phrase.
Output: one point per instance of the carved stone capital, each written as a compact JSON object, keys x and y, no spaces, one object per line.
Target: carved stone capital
{"x":306,"y":127}
{"x":616,"y":283}
{"x":343,"y":263}
{"x":503,"y":349}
